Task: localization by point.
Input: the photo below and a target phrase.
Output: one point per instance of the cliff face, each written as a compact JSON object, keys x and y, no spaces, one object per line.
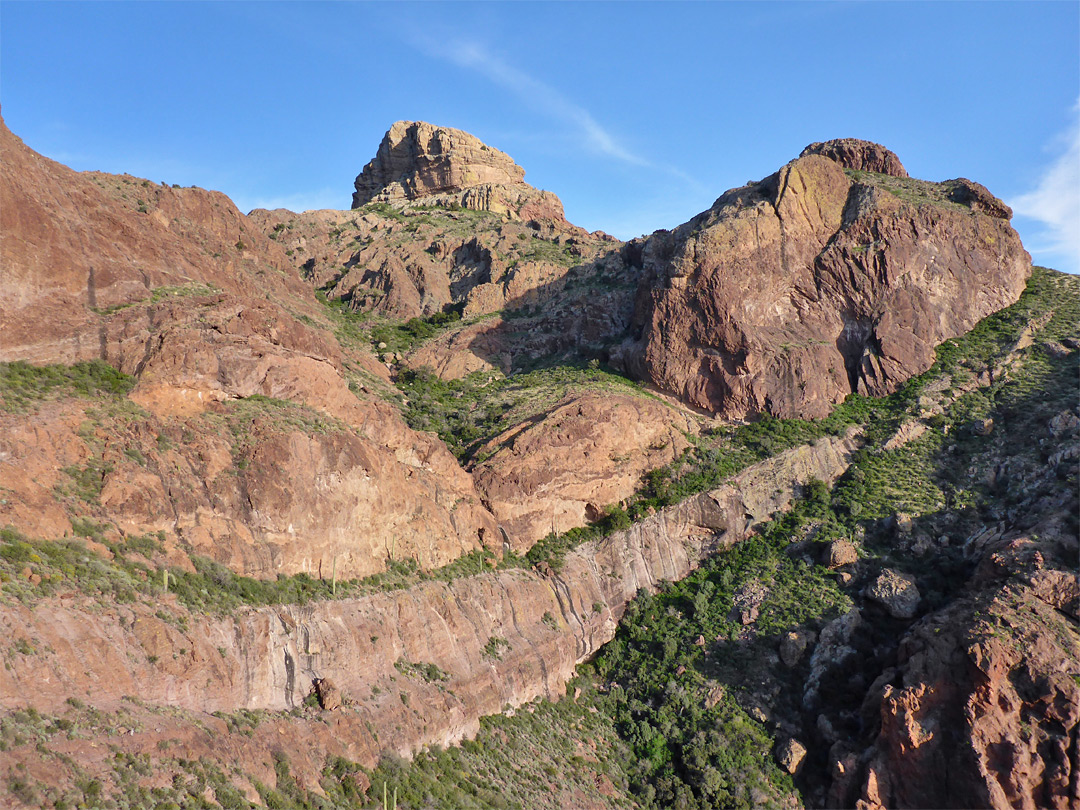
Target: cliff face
{"x":500,"y":638}
{"x":820,"y":280}
{"x":418,"y":162}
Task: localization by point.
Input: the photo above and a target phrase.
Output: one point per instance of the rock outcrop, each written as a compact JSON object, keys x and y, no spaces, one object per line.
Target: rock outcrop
{"x":269,"y":658}
{"x":440,"y":220}
{"x":419,"y":162}
{"x":560,"y":470}
{"x":420,"y":261}
{"x":863,"y":156}
{"x":983,"y":706}
{"x":791,"y":293}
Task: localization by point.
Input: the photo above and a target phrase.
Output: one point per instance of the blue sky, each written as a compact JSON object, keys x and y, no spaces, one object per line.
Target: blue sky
{"x":638,"y":115}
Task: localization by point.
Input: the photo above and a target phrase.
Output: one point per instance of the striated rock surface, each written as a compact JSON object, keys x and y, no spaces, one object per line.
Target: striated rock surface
{"x":270,"y":658}
{"x":560,"y":470}
{"x":417,"y":161}
{"x":252,"y":437}
{"x":790,"y":293}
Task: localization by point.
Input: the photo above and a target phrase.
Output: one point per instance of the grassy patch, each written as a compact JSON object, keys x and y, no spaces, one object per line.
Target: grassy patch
{"x":245,"y":419}
{"x":548,"y":755}
{"x":399,"y":338}
{"x":22,"y":385}
{"x":909,"y":189}
{"x":60,"y":565}
{"x":188,"y":290}
{"x":469,"y":411}
{"x":428,"y":673}
{"x":536,"y":249}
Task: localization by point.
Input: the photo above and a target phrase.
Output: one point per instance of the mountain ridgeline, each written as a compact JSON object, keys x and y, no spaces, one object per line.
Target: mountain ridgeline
{"x":444,"y":502}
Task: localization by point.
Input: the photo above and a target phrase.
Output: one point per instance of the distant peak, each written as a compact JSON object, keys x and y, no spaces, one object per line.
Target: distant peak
{"x":417,"y":159}
{"x":865,"y":156}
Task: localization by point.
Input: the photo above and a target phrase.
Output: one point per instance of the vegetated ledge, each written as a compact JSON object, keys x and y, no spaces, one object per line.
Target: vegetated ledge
{"x":501,"y":638}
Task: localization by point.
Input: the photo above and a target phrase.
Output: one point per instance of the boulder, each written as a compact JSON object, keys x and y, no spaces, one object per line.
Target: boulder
{"x":790,"y":755}
{"x":841,"y":553}
{"x":978,"y":198}
{"x":896,"y":592}
{"x":329,"y":695}
{"x":793,"y":645}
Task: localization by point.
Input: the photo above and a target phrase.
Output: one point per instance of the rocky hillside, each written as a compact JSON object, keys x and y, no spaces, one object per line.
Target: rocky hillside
{"x":837,"y":274}
{"x":288,"y":497}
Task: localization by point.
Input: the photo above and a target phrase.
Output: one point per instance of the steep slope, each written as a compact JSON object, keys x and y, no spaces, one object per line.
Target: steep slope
{"x":441,"y":221}
{"x":417,"y":666}
{"x":238,"y":433}
{"x":76,"y":245}
{"x":820,"y":280}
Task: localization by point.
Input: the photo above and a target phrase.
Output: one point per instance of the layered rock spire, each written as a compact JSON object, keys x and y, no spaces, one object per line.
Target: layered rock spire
{"x":421,"y":163}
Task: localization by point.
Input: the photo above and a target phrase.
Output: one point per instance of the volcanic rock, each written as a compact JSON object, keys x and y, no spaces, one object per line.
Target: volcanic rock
{"x":978,"y":198}
{"x":896,"y":592}
{"x":76,"y":246}
{"x":542,"y":475}
{"x":178,"y":289}
{"x":793,"y":645}
{"x":265,"y":658}
{"x":997,"y":671}
{"x":417,"y":161}
{"x":841,"y":553}
{"x":790,"y":755}
{"x":833,"y":650}
{"x":328,"y":695}
{"x":791,"y":293}
{"x":863,"y":156}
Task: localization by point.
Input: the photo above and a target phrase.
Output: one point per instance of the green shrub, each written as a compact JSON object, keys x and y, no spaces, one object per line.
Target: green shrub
{"x":22,"y":384}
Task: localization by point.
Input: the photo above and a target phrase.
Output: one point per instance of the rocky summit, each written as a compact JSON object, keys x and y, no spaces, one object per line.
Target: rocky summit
{"x":429,"y":165}
{"x":836,"y":274}
{"x":442,"y":501}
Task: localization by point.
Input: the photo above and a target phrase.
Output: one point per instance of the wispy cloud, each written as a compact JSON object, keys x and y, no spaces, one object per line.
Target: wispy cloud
{"x":1055,"y":201}
{"x":474,"y":56}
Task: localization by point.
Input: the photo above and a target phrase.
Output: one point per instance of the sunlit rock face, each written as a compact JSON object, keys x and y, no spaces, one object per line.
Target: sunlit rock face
{"x":836,"y":274}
